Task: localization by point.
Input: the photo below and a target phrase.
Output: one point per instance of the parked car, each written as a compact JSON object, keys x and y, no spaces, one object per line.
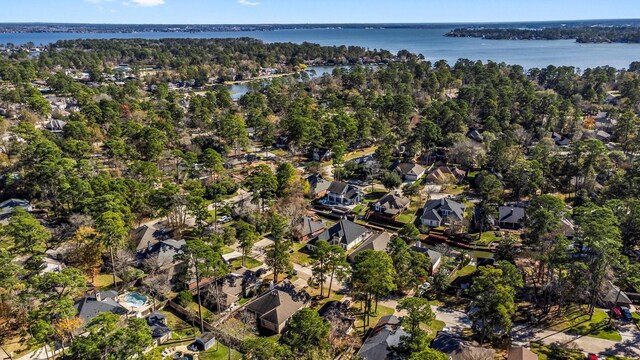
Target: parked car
{"x":626,"y":313}
{"x":615,"y":313}
{"x":593,"y":357}
{"x":224,"y":219}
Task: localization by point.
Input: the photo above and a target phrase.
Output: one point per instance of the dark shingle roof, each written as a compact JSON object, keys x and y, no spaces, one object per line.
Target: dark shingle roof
{"x":308,"y":226}
{"x":345,"y":230}
{"x":144,"y":237}
{"x":89,"y":307}
{"x":433,"y":209}
{"x":318,"y":184}
{"x":386,"y":334}
{"x":377,"y":242}
{"x":338,"y":187}
{"x":276,"y":306}
{"x":393,"y":203}
{"x":511,"y":214}
{"x":408,"y":168}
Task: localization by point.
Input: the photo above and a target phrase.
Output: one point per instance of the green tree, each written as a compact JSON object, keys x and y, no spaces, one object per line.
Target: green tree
{"x":373,"y":276}
{"x":429,"y":354}
{"x":285,"y":175}
{"x":278,"y":258}
{"x":247,"y":236}
{"x":27,"y":235}
{"x":263,"y":183}
{"x":489,"y":187}
{"x":306,"y":331}
{"x":113,"y":233}
{"x":261,"y":348}
{"x":391,"y":180}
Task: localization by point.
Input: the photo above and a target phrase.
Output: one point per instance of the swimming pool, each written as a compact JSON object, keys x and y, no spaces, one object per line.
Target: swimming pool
{"x":135,"y":299}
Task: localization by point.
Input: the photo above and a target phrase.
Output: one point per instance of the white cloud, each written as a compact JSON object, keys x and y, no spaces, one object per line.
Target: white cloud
{"x":147,"y":3}
{"x":248,"y":3}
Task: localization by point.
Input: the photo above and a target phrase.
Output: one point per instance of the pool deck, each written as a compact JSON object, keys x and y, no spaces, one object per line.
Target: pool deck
{"x":139,"y":310}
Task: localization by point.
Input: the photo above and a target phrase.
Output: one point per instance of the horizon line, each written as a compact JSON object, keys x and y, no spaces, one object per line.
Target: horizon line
{"x":319,"y":23}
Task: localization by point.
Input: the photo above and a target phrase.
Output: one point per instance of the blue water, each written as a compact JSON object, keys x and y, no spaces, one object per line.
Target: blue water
{"x":429,"y":42}
{"x":135,"y":299}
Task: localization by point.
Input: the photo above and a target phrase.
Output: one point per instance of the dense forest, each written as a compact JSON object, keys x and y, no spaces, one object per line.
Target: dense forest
{"x":128,"y":149}
{"x":587,"y":34}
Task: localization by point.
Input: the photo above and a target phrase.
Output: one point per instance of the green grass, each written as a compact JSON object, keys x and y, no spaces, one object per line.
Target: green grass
{"x":104,"y":281}
{"x":433,"y":328}
{"x":299,"y":257}
{"x":316,"y":292}
{"x":467,"y":270}
{"x":359,"y":153}
{"x":406,"y":218}
{"x":250,"y":262}
{"x":373,"y":320}
{"x":181,"y":329}
{"x":222,"y":353}
{"x":547,"y":352}
{"x":227,"y":250}
{"x":487,"y":238}
{"x":577,"y":322}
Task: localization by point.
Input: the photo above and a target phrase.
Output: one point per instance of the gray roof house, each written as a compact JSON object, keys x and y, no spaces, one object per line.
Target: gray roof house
{"x":145,"y":238}
{"x":274,"y":309}
{"x":7,"y":206}
{"x":307,"y":228}
{"x":318,"y":186}
{"x":434,"y":257}
{"x":160,"y":332}
{"x":91,"y":306}
{"x":410,"y":172}
{"x":55,"y":125}
{"x":458,"y":349}
{"x":377,"y":242}
{"x":441,"y":212}
{"x":344,"y":194}
{"x":511,"y":217}
{"x":391,"y":205}
{"x":344,"y":233}
{"x":386,"y":335}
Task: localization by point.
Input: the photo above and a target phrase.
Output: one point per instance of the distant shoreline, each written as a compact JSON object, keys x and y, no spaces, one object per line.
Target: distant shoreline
{"x":10,"y":28}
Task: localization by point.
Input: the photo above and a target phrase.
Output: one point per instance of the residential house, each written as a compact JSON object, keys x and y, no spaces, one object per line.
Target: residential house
{"x":521,"y":353}
{"x":307,"y":229}
{"x":409,"y":171}
{"x":442,"y":212}
{"x":458,"y":349}
{"x":318,"y":186}
{"x":160,"y":332}
{"x":244,"y":206}
{"x":144,"y":238}
{"x":386,"y":335}
{"x":344,"y":194}
{"x":377,"y":242}
{"x":511,"y":217}
{"x":475,"y":135}
{"x":344,"y":233}
{"x":605,"y":123}
{"x":227,"y":292}
{"x":274,"y":309}
{"x":603,"y":136}
{"x":435,"y":257}
{"x":321,"y":155}
{"x":8,"y":206}
{"x":55,"y":125}
{"x":616,"y":297}
{"x":205,"y":341}
{"x":560,"y":140}
{"x":101,"y":302}
{"x":391,"y":205}
{"x":445,"y":175}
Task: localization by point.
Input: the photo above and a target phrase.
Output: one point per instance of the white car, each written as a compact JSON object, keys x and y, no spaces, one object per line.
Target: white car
{"x":224,"y":219}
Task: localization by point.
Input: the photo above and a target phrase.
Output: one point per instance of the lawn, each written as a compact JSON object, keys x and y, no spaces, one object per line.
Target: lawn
{"x":103,"y":281}
{"x":577,"y":322}
{"x":406,"y":218}
{"x":487,"y":238}
{"x":181,"y":329}
{"x":207,"y":314}
{"x":316,"y":292}
{"x":300,"y":256}
{"x":433,"y":328}
{"x":467,"y":270}
{"x":227,"y":250}
{"x":373,"y":320}
{"x":222,"y":353}
{"x":547,"y":352}
{"x":250,"y":263}
{"x":359,"y":153}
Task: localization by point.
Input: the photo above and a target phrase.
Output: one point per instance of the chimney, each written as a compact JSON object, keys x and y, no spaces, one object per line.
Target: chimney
{"x":98,"y":296}
{"x":442,"y":201}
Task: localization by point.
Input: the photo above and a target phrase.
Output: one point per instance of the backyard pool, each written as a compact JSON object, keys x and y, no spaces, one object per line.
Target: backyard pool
{"x":135,"y":299}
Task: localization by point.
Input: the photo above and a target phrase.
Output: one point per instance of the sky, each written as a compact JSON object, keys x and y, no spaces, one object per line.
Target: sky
{"x":310,"y":11}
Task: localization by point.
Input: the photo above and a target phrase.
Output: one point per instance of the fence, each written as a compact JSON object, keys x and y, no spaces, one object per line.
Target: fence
{"x":220,"y":336}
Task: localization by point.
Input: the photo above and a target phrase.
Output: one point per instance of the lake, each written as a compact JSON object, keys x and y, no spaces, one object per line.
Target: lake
{"x":429,"y":42}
